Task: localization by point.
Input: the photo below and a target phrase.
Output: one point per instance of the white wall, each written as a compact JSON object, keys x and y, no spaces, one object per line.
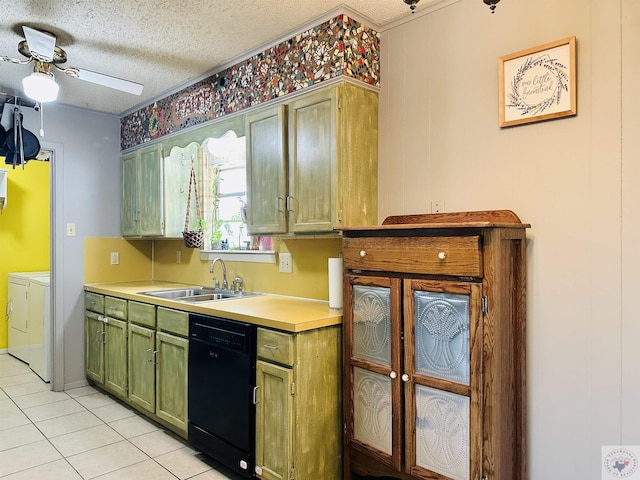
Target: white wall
{"x":575,"y":180}
{"x":85,"y":191}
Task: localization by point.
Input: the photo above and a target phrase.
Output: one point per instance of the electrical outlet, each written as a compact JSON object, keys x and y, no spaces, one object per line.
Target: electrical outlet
{"x":437,"y":206}
{"x":115,"y":258}
{"x":71,"y":229}
{"x":285,"y":263}
{"x":178,"y":256}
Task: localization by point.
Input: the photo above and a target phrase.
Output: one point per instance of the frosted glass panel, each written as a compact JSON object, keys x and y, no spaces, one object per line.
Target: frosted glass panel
{"x":442,"y":432}
{"x":371,"y":324}
{"x":372,"y":409}
{"x":442,"y":335}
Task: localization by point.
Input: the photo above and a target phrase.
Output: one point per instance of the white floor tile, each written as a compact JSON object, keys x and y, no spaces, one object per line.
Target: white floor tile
{"x":18,"y":436}
{"x":113,"y":412}
{"x":183,"y":463}
{"x":217,"y":475}
{"x":106,"y":459}
{"x":10,"y":415}
{"x":40,"y":398}
{"x":68,"y":423}
{"x":53,"y":410}
{"x":58,"y":470}
{"x":20,"y":379}
{"x":27,"y":456}
{"x":147,"y":470}
{"x":2,"y":394}
{"x":157,"y":443}
{"x":81,"y":391}
{"x":95,"y":400}
{"x":26,"y":388}
{"x":10,"y":370}
{"x":133,"y":426}
{"x":84,"y":440}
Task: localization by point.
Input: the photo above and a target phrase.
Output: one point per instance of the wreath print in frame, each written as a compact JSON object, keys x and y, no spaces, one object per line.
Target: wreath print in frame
{"x":538,"y":83}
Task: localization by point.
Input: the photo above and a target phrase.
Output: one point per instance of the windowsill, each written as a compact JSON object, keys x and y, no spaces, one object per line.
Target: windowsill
{"x":248,"y":256}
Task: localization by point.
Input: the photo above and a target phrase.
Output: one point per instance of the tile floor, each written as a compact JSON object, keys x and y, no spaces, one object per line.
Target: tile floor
{"x":85,"y":434}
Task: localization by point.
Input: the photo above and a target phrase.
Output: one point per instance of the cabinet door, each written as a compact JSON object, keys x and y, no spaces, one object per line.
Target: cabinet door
{"x":150,"y":198}
{"x":274,"y":421}
{"x":177,"y":172}
{"x":372,"y":368}
{"x":115,"y":356}
{"x":443,"y":355}
{"x":142,"y":368}
{"x":129,"y":199}
{"x":171,"y":379}
{"x":94,"y":346}
{"x":266,"y":171}
{"x":312,"y":162}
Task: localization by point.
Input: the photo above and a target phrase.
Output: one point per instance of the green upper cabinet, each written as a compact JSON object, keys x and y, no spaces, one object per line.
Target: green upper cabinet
{"x":330,"y":140}
{"x":312,"y":162}
{"x":266,"y":171}
{"x":142,"y":206}
{"x":177,"y":172}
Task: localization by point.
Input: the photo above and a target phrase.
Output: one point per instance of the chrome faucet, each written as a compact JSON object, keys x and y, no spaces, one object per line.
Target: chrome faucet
{"x":216,"y":282}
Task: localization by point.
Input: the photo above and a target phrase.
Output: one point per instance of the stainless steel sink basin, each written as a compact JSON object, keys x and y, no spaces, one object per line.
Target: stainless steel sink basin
{"x":198,"y":294}
{"x":177,"y":293}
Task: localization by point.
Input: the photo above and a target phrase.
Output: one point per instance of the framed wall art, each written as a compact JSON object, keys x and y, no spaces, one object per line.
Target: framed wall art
{"x":538,"y":83}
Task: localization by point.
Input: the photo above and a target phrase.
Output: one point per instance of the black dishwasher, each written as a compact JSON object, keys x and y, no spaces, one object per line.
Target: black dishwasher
{"x":222,"y":379}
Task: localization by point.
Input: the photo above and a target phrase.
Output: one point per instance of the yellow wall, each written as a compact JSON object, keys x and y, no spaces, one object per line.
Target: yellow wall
{"x":24,"y":227}
{"x":308,"y":279}
{"x":134,"y":260}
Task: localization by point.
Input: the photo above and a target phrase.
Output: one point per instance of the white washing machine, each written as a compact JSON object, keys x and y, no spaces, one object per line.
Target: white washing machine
{"x":29,"y":320}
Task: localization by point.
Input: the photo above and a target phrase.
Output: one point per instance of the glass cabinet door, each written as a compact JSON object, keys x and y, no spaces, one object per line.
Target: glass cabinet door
{"x":372,"y":360}
{"x":442,"y":363}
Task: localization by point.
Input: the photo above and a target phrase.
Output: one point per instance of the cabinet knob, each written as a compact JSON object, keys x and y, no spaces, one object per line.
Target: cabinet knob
{"x":393,"y":374}
{"x":363,"y":253}
{"x":405,"y":377}
{"x":442,"y":255}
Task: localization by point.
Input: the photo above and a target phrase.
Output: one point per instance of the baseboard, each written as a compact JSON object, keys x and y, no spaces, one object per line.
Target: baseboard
{"x":3,"y":350}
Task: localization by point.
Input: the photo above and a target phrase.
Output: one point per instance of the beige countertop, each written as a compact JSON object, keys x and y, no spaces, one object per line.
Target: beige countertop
{"x":292,"y":314}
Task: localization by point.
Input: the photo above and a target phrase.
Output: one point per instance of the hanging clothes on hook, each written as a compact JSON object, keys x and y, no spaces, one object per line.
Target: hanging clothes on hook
{"x":21,"y":145}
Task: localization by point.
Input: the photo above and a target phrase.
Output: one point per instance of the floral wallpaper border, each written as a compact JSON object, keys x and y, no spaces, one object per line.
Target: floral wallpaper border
{"x":340,"y":46}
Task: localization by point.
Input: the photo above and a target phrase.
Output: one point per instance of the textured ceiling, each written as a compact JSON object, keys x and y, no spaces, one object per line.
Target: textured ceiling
{"x":163,"y":44}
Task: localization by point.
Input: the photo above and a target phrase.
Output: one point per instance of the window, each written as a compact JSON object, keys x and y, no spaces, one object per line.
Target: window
{"x":225,"y":190}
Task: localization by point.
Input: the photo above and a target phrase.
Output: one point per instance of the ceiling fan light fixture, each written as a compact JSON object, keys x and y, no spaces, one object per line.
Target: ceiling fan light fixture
{"x":41,"y":84}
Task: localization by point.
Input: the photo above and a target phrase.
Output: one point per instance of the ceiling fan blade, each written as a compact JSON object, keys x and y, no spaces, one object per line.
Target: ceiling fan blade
{"x":105,"y":80}
{"x":41,"y":44}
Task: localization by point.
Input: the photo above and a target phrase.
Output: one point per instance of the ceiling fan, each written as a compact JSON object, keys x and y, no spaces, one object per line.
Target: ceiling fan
{"x":40,"y":47}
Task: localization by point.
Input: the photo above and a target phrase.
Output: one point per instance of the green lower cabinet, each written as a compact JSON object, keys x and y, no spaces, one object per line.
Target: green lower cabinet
{"x":94,"y":346}
{"x":171,"y":379}
{"x":274,"y":419}
{"x":298,"y":415}
{"x":115,"y":356}
{"x":142,"y":368}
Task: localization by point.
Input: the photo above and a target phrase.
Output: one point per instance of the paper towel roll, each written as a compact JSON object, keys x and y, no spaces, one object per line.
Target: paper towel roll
{"x":335,"y":282}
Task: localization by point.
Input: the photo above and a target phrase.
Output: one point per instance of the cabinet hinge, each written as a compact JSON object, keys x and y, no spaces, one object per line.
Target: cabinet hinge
{"x":339,"y":103}
{"x":291,"y":473}
{"x":485,"y":306}
{"x":292,"y":389}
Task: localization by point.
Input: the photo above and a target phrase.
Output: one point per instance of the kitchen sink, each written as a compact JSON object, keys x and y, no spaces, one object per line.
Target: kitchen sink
{"x":198,"y":294}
